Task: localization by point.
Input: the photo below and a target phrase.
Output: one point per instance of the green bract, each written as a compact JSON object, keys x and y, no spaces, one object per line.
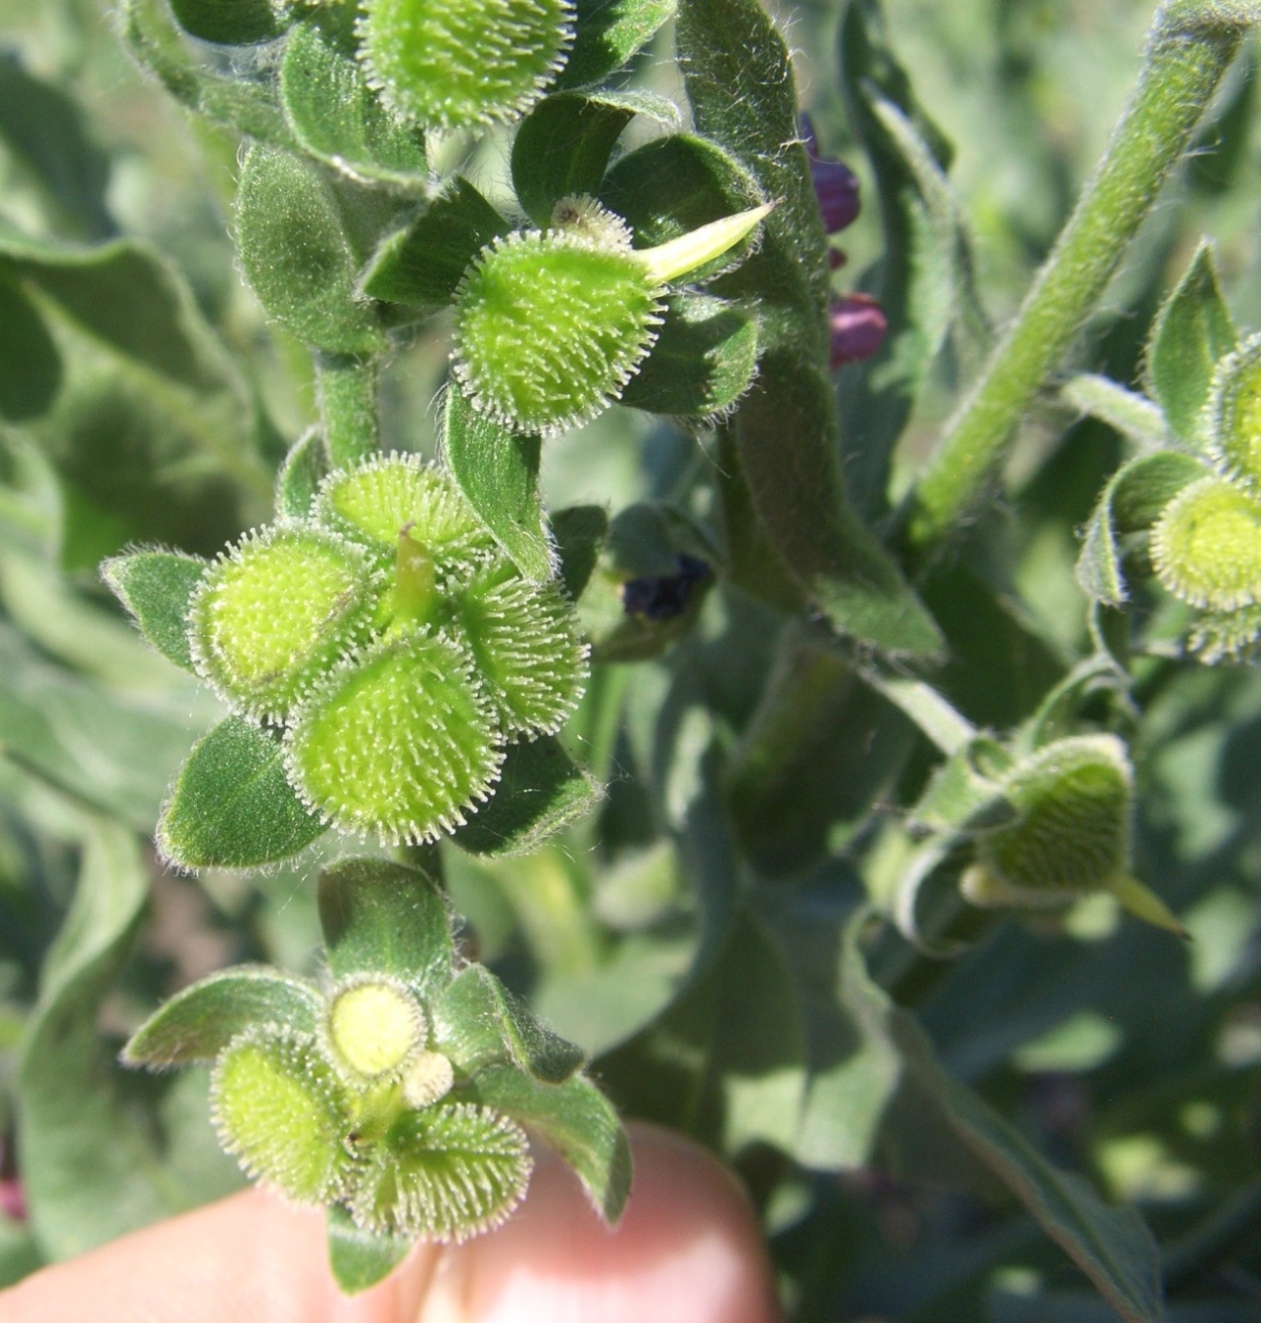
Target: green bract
{"x":449,"y":63}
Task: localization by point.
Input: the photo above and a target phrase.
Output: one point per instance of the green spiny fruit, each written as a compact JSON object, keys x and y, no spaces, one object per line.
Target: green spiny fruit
{"x":374,"y":1027}
{"x":1072,"y":836}
{"x":1234,"y":414}
{"x":282,"y":1113}
{"x":376,"y":501}
{"x":551,"y":325}
{"x":451,"y":63}
{"x":275,"y":613}
{"x":1217,"y":636}
{"x":1206,"y":545}
{"x":398,"y":742}
{"x":524,"y":639}
{"x":447,"y":1173}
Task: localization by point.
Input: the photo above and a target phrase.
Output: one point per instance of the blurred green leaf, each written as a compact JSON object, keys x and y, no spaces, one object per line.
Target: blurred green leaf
{"x":297,"y":253}
{"x":30,"y":364}
{"x":498,"y":471}
{"x":422,"y":264}
{"x":540,"y":791}
{"x":579,"y":532}
{"x":228,"y":22}
{"x":199,"y":1022}
{"x":1191,"y":332}
{"x":92,"y":1167}
{"x":231,"y":805}
{"x":380,"y":917}
{"x":156,"y":588}
{"x":609,"y":32}
{"x":337,"y":117}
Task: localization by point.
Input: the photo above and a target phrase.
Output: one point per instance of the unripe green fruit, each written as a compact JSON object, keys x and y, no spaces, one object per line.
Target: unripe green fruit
{"x":451,"y":63}
{"x":281,"y":1112}
{"x":374,"y":502}
{"x":524,"y":639}
{"x":429,"y":1079}
{"x":1226,"y":635}
{"x":1235,"y":414}
{"x":550,"y":325}
{"x":1206,"y":545}
{"x":1073,"y":833}
{"x":446,"y":1173}
{"x":398,"y":742}
{"x":275,"y":613}
{"x":375,"y":1027}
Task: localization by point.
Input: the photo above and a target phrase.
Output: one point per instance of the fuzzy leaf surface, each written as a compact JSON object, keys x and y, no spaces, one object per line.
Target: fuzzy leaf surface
{"x":609,"y":33}
{"x":156,"y":588}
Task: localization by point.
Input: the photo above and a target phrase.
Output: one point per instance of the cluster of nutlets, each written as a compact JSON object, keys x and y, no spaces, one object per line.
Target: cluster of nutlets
{"x":396,"y":645}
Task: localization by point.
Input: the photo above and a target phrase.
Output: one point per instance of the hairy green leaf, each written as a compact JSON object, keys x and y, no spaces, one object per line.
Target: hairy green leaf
{"x":304,"y":468}
{"x":229,"y":22}
{"x":609,"y":33}
{"x":156,"y":587}
{"x":360,"y":1259}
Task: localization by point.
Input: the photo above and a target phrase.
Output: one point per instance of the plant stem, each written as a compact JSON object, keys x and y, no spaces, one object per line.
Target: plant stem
{"x":1189,"y":49}
{"x":346,"y":388}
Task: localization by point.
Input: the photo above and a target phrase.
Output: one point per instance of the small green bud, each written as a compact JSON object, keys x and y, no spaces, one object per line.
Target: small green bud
{"x":1234,"y":413}
{"x":398,"y":742}
{"x":446,"y":1173}
{"x":375,"y":1027}
{"x":428,"y":1080}
{"x":550,"y":325}
{"x":451,"y":63}
{"x":281,"y":1112}
{"x":374,"y":502}
{"x":525,"y":642}
{"x":1206,"y":545}
{"x":275,"y":613}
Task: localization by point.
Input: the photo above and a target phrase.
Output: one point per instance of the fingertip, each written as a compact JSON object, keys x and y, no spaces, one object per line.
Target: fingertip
{"x":687,"y":1250}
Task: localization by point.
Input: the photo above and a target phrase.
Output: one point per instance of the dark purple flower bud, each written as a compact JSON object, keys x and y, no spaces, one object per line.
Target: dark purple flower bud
{"x":669,"y":596}
{"x":858,"y":327}
{"x":835,"y":185}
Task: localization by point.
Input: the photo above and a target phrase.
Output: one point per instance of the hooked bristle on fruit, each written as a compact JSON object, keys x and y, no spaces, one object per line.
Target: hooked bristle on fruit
{"x":449,"y":64}
{"x":274,"y":613}
{"x":446,"y":1173}
{"x":398,"y":742}
{"x":281,"y":1111}
{"x":1206,"y":545}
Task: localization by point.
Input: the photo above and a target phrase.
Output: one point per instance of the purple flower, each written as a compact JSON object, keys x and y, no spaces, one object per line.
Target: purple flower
{"x":12,"y":1201}
{"x":858,"y":325}
{"x":835,"y":184}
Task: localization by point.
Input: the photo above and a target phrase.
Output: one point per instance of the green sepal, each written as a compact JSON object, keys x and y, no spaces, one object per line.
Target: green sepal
{"x":577,"y":1120}
{"x":231,"y":805}
{"x":562,"y":147}
{"x":1191,"y":333}
{"x":298,"y":256}
{"x":358,"y":1258}
{"x":579,"y":532}
{"x":300,"y":475}
{"x":228,"y":22}
{"x":498,"y":472}
{"x":156,"y":587}
{"x":243,"y":105}
{"x":609,"y":33}
{"x":30,"y":363}
{"x":674,"y":185}
{"x":199,"y":1022}
{"x":380,"y":917}
{"x":478,"y":1023}
{"x":338,"y":118}
{"x":704,"y":359}
{"x":1134,"y":498}
{"x":541,"y":790}
{"x":422,"y":264}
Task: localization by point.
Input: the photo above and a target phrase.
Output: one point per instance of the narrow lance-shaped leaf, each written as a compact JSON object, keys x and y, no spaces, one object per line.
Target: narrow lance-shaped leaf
{"x":609,"y":33}
{"x":497,"y":471}
{"x":199,"y":1022}
{"x":1191,"y":333}
{"x":338,"y":118}
{"x":421,"y":265}
{"x":156,"y":588}
{"x":385,"y":918}
{"x":231,"y":805}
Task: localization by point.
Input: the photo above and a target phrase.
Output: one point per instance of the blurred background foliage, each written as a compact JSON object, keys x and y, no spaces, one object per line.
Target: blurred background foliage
{"x":149,"y":403}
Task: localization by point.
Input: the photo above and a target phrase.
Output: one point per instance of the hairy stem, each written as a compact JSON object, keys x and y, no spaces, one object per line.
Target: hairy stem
{"x":1189,"y":49}
{"x":347,"y":391}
